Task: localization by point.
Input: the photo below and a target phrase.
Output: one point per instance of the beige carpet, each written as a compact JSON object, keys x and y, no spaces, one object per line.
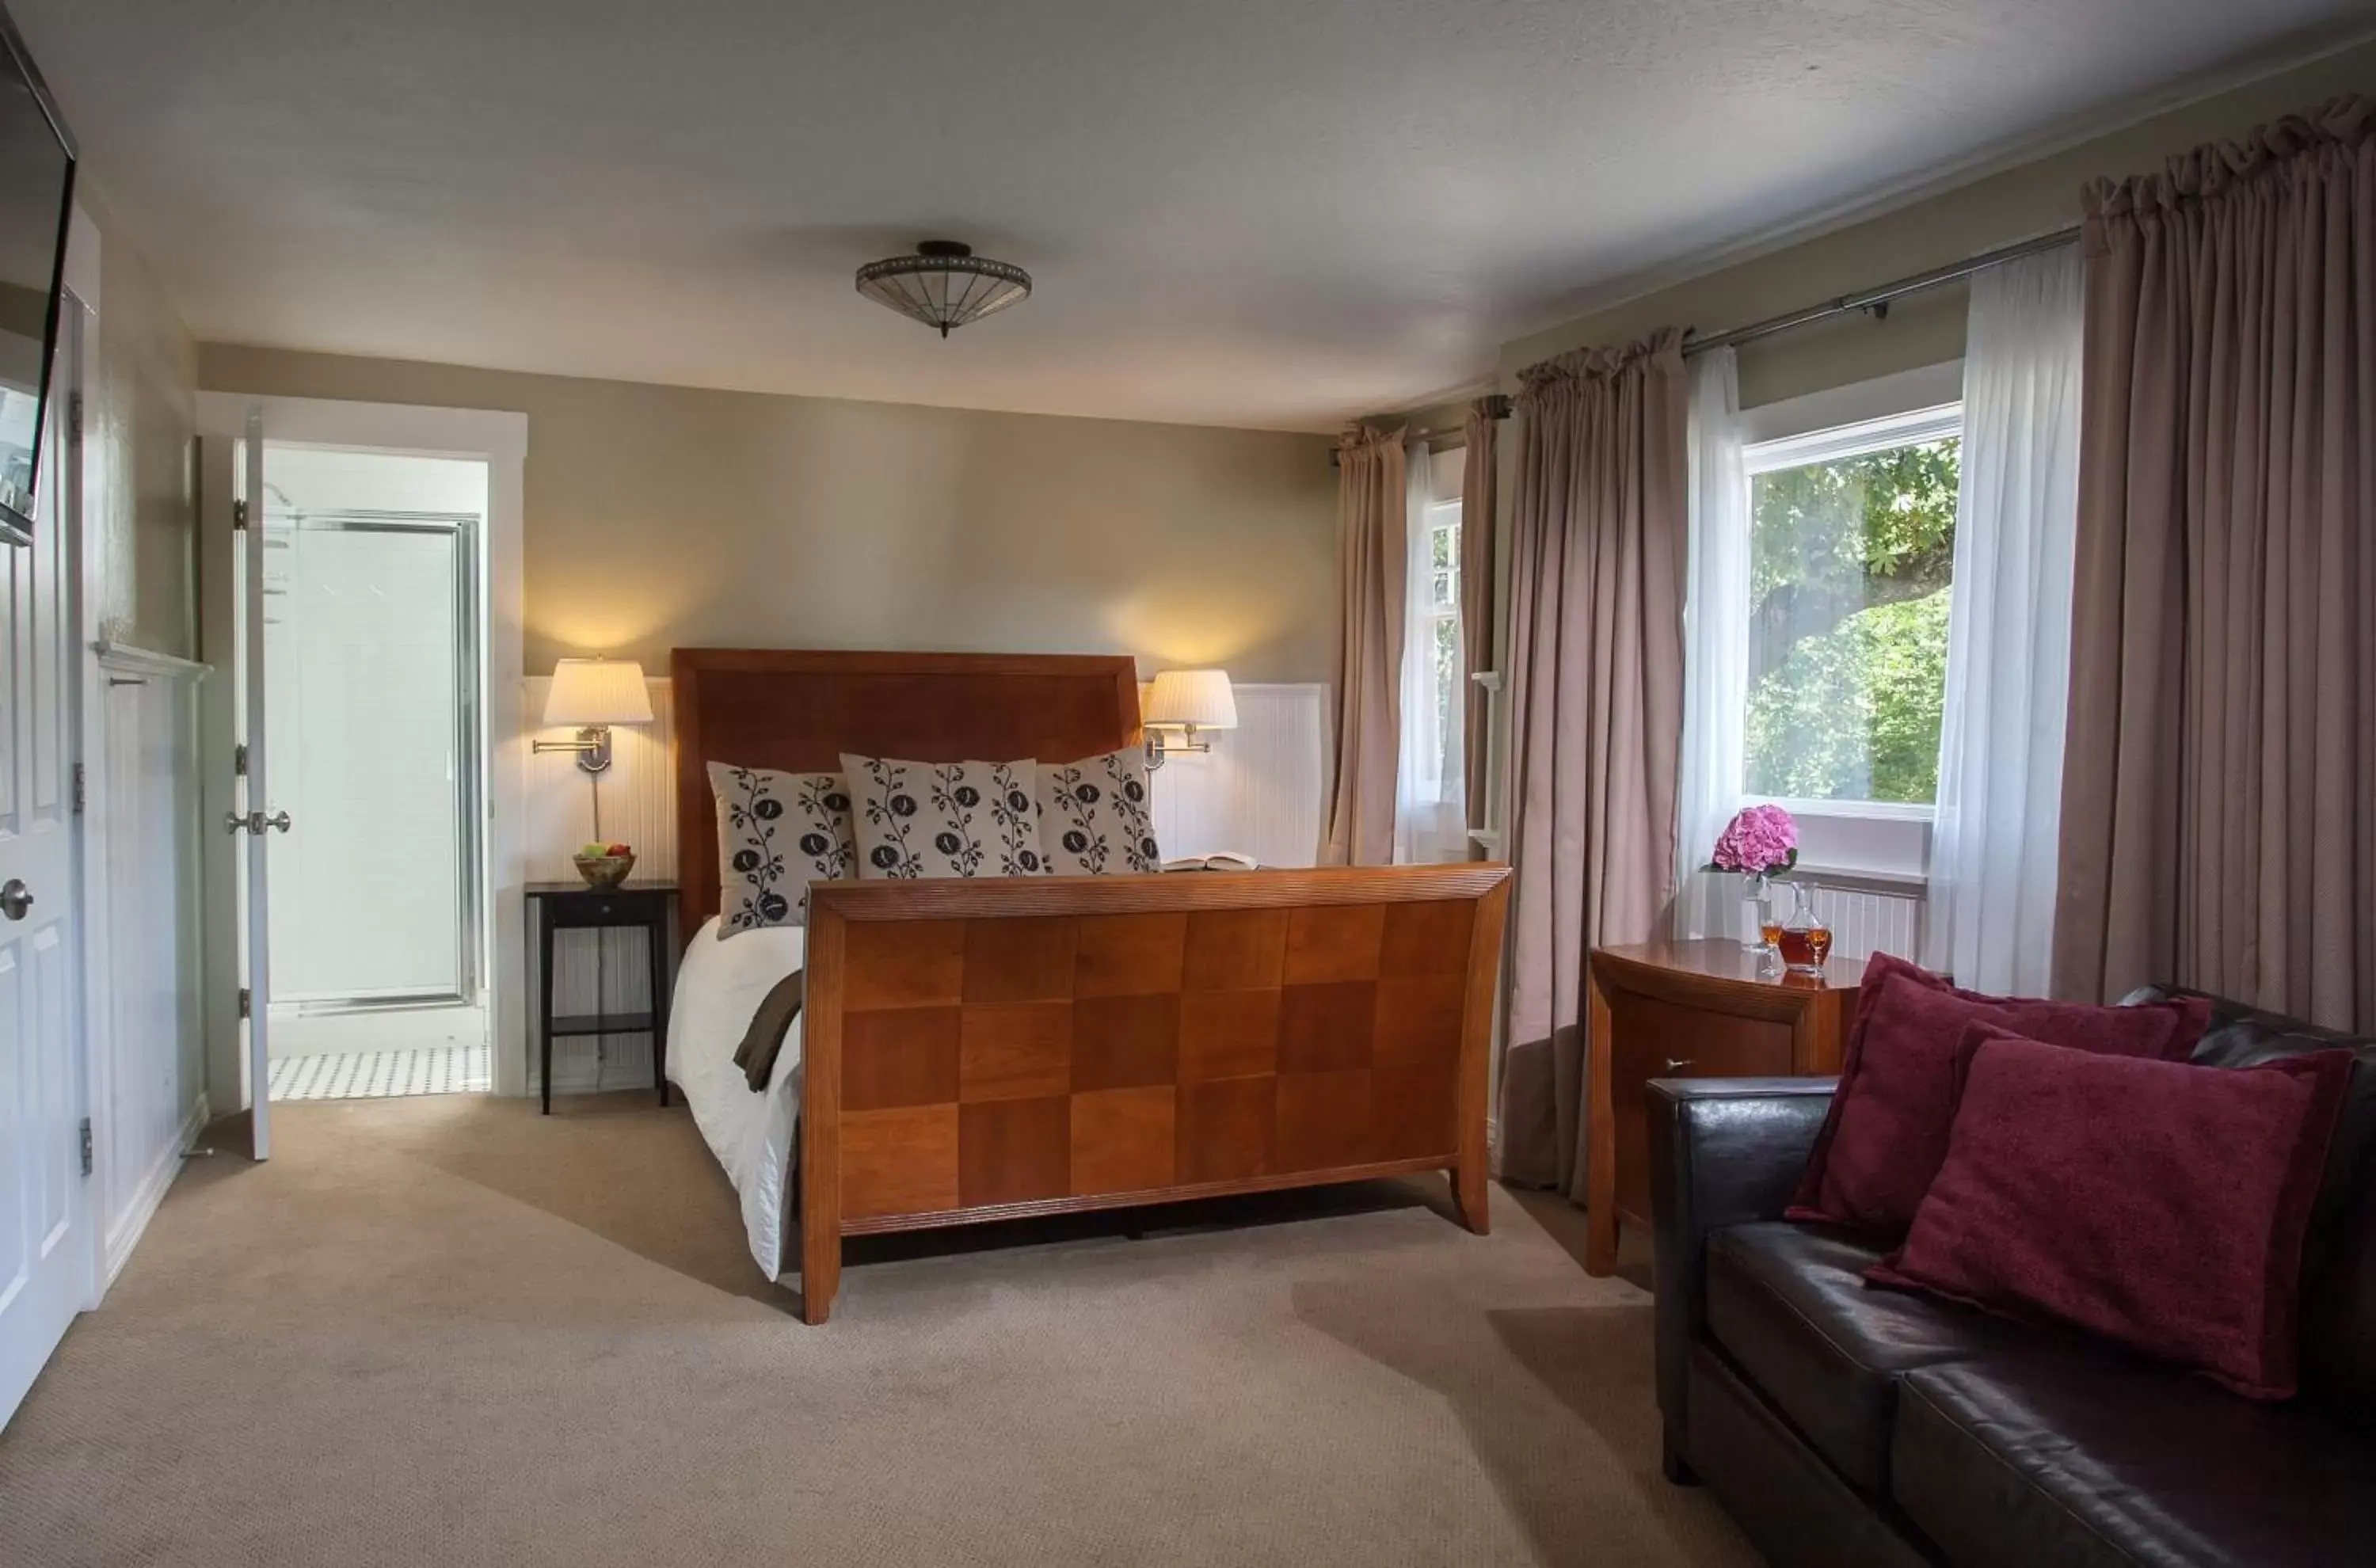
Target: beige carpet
{"x":446,"y":1332}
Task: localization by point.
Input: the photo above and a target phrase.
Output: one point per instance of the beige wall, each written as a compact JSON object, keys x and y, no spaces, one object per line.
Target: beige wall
{"x":140,"y":423}
{"x":2031,"y":199}
{"x":664,"y":516}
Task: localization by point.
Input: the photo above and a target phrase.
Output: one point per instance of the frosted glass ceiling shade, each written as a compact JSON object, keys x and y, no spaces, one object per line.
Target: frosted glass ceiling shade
{"x":592,"y":692}
{"x":944,"y":284}
{"x":1198,"y":699}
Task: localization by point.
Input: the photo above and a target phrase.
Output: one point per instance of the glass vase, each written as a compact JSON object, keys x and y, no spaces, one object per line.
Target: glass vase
{"x":1804,"y":940}
{"x":1756,"y":914}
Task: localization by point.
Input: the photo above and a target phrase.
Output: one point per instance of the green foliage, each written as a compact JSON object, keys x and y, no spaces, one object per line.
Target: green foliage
{"x":1849,"y":569}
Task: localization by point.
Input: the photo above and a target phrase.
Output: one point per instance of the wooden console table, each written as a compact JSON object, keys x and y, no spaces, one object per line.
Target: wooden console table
{"x":1688,"y":1010}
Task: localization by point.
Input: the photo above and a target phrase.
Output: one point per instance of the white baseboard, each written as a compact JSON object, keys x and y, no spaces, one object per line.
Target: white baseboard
{"x":155,"y":1182}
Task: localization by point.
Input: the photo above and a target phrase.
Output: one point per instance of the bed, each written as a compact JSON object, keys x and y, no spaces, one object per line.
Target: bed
{"x":999,"y":1048}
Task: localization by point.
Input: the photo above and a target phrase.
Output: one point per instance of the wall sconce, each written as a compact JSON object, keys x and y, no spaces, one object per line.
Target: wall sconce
{"x":1187,"y":701}
{"x":594,"y":694}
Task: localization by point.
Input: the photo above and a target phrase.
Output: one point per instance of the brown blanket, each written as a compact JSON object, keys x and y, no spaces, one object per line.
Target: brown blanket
{"x":764,"y":1037}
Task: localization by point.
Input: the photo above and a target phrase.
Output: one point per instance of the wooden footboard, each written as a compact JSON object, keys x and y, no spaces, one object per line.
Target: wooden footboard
{"x":995,"y":1049}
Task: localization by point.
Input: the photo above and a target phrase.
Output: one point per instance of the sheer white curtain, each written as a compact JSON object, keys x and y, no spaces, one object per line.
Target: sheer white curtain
{"x":1431,"y":809}
{"x":1716,"y":635}
{"x":1991,"y":921}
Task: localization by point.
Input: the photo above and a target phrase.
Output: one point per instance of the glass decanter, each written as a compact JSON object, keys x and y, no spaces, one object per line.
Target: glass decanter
{"x":1804,"y":940}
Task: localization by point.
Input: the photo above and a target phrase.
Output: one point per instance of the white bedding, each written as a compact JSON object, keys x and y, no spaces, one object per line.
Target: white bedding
{"x":719,"y":986}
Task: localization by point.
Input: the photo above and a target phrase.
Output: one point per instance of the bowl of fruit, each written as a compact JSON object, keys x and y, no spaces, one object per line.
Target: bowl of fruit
{"x":604,"y":865}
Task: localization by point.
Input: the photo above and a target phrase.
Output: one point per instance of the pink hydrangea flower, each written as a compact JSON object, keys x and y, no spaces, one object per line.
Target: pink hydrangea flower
{"x":1759,"y":841}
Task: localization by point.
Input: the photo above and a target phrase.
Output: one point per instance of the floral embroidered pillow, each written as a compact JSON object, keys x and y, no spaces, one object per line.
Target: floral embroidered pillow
{"x":1094,"y":816}
{"x":776,"y":833}
{"x":929,"y":819}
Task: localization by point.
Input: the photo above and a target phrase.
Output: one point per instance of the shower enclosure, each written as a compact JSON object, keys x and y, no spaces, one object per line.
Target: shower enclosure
{"x":373,"y":682}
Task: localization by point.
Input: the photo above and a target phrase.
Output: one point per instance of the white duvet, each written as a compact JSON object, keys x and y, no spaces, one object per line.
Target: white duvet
{"x":719,"y":986}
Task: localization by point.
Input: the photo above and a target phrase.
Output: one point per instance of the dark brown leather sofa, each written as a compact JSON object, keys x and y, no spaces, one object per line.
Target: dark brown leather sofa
{"x":1845,"y":1425}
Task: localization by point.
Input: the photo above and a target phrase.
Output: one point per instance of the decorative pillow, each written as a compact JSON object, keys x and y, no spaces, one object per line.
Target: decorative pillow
{"x":945,"y":819}
{"x":2158,"y":1204}
{"x":776,"y":833}
{"x":1887,"y":1130}
{"x":1093,"y":815}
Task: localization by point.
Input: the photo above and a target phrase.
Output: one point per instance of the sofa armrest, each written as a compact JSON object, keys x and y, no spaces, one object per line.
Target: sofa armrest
{"x":1723,"y":1151}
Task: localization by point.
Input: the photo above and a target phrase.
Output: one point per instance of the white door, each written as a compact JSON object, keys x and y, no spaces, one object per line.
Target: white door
{"x":256,"y":816}
{"x":46,"y":1247}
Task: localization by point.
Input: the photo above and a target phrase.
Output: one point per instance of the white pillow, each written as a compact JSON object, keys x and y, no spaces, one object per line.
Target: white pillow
{"x":933,"y":819}
{"x":776,"y":833}
{"x":1094,"y":816}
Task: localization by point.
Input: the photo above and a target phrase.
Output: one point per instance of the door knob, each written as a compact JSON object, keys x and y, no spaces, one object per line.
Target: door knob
{"x":16,"y":900}
{"x":1677,"y":1063}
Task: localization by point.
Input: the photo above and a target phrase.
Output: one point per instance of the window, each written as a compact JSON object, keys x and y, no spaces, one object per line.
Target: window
{"x":1852,"y":549}
{"x":1430,"y":816}
{"x":1440,"y":613}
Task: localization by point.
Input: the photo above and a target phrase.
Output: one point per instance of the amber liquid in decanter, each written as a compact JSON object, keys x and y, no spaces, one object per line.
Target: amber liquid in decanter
{"x":1804,"y":941}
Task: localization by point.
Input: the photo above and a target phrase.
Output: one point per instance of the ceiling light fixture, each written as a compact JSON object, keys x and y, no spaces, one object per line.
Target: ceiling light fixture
{"x":944,"y":284}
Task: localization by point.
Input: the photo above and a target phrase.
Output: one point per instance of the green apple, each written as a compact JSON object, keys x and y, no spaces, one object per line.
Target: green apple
{"x":591,"y":851}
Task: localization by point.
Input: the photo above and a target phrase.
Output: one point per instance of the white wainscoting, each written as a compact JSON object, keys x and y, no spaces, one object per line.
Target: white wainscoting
{"x":1259,"y":792}
{"x":1865,"y":917}
{"x":148,"y":1066}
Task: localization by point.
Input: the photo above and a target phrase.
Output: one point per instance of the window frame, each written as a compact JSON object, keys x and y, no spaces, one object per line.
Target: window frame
{"x":1885,"y":839}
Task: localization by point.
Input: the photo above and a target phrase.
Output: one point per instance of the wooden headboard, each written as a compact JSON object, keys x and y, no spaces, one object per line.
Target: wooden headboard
{"x":798,"y":711}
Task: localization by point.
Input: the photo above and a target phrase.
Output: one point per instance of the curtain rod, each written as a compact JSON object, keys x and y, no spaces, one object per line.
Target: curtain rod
{"x":1497,"y":406}
{"x":1877,"y":300}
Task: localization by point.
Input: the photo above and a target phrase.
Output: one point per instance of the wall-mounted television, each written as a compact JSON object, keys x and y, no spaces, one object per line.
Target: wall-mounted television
{"x":36,"y":171}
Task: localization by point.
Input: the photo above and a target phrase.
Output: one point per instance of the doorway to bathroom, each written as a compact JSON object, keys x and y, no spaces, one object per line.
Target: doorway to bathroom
{"x":373,"y":686}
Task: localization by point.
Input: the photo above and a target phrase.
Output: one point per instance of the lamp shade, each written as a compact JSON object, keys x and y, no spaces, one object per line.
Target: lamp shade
{"x":1192,"y":698}
{"x":587,"y":692}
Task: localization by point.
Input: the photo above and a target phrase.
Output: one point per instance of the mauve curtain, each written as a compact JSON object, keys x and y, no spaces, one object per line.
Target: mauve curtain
{"x":1479,"y":476}
{"x":2219,"y":791}
{"x":1597,"y":557}
{"x":1372,"y":574}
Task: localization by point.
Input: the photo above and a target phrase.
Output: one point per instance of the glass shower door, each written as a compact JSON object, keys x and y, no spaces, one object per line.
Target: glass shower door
{"x":371,"y":678}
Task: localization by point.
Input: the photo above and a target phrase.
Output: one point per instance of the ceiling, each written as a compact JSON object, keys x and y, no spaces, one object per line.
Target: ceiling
{"x":1254,"y":212}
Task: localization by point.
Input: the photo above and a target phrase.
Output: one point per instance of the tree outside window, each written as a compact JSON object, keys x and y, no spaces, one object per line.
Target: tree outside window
{"x":1851,"y":556}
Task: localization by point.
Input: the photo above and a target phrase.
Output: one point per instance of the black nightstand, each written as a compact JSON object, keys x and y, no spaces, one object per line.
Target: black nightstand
{"x":573,"y":906}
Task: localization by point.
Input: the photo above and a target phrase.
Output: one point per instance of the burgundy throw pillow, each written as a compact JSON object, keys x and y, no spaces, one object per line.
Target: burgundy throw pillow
{"x":1887,"y":1130}
{"x":2156,"y":1204}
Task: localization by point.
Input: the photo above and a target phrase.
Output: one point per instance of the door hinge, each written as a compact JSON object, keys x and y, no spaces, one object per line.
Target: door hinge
{"x":86,"y":1145}
{"x":239,"y":760}
{"x":81,"y":792}
{"x":246,"y":1001}
{"x":238,"y":513}
{"x":74,"y":419}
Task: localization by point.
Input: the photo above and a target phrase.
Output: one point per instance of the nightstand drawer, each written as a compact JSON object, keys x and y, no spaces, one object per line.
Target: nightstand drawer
{"x":591,"y":909}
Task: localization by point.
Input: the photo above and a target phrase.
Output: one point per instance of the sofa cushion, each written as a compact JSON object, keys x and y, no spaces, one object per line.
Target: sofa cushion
{"x":2158,"y":1204}
{"x":1887,"y":1133}
{"x":2048,"y":1453}
{"x":1789,"y":1305}
{"x":2338,"y":1291}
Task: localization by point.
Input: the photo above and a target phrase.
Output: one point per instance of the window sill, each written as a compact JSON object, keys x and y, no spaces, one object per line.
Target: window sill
{"x":1904,"y":883}
{"x":1848,"y":810}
